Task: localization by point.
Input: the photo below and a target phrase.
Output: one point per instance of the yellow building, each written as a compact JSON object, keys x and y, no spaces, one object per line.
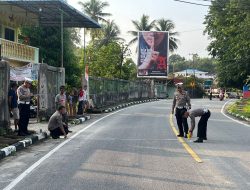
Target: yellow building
{"x":17,"y":13}
{"x":11,"y":18}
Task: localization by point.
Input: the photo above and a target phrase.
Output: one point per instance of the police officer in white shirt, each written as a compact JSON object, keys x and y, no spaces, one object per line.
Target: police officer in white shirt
{"x":181,"y":102}
{"x":202,"y":124}
{"x":24,"y":96}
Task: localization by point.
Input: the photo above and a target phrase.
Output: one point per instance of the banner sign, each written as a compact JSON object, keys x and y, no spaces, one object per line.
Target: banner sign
{"x":153,"y":54}
{"x":28,"y":71}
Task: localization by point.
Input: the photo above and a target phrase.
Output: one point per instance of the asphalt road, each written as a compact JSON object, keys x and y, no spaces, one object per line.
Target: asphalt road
{"x":135,"y":148}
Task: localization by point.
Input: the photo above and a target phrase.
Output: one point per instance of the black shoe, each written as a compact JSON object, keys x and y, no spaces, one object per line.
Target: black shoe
{"x":199,"y":140}
{"x":55,"y":137}
{"x":28,"y":133}
{"x":205,"y":138}
{"x":185,"y":136}
{"x":180,"y":135}
{"x":22,"y":134}
{"x":70,"y":131}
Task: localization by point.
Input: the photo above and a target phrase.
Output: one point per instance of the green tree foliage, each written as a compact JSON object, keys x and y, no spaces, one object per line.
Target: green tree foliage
{"x":180,"y":63}
{"x":228,"y":25}
{"x":106,"y":62}
{"x":95,"y":9}
{"x":129,"y":70}
{"x":168,"y":25}
{"x":48,"y":40}
{"x":144,"y":24}
{"x":109,"y":33}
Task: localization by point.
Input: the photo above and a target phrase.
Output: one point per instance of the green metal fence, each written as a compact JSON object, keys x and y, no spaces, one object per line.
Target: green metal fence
{"x":106,"y":92}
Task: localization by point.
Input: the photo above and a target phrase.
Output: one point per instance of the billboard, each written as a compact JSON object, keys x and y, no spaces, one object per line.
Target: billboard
{"x":153,"y":51}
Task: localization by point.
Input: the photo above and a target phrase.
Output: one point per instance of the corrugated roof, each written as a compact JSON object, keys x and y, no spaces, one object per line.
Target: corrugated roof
{"x":49,"y":13}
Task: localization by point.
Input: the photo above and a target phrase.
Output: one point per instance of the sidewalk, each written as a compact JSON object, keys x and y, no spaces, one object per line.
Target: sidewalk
{"x":34,"y":126}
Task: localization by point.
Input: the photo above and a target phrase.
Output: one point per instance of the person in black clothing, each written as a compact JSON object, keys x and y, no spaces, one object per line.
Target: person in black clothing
{"x":13,"y":106}
{"x":24,"y":95}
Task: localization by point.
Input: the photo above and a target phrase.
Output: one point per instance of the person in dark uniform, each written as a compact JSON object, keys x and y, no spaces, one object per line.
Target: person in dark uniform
{"x":180,"y":102}
{"x":24,"y":96}
{"x":56,"y":126}
{"x":202,"y":124}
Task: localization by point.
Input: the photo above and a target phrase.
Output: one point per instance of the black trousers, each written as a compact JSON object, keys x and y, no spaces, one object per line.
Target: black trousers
{"x":24,"y":111}
{"x":181,"y":122}
{"x":202,"y":125}
{"x":57,"y":132}
{"x":80,"y":108}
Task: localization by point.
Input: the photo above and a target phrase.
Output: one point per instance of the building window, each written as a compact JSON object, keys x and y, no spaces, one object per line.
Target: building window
{"x":9,"y":34}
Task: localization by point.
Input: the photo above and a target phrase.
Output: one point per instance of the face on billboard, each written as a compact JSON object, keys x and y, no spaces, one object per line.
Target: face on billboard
{"x":149,"y":38}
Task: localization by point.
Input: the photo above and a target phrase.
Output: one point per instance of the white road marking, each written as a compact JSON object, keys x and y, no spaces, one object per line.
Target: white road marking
{"x":231,"y":117}
{"x":36,"y":164}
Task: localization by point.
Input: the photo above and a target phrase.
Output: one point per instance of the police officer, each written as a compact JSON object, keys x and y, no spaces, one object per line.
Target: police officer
{"x":24,"y":96}
{"x":202,"y":124}
{"x":180,"y":102}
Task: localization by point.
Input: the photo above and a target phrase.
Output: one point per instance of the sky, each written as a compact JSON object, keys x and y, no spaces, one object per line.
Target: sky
{"x":188,"y":20}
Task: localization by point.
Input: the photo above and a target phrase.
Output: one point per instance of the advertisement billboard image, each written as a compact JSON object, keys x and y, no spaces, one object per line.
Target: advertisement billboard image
{"x":153,"y":54}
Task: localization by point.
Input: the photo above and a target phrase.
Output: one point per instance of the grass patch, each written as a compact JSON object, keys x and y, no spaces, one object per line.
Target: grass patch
{"x":241,"y":107}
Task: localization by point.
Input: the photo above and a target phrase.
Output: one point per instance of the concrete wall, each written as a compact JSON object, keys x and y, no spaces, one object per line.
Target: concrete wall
{"x":50,"y":80}
{"x":4,"y":86}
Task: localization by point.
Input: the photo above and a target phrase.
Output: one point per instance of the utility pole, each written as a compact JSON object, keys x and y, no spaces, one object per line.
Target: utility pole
{"x":193,"y":83}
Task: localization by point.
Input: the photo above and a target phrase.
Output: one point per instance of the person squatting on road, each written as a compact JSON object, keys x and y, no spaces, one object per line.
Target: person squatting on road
{"x":13,"y":106}
{"x":202,"y":124}
{"x":180,"y":102}
{"x":24,"y":95}
{"x":56,"y":126}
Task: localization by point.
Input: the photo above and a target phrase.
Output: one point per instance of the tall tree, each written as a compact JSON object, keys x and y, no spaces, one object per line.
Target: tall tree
{"x":48,"y":40}
{"x":168,"y":25}
{"x":110,"y":61}
{"x":110,"y":33}
{"x":144,"y":24}
{"x":227,"y":24}
{"x":95,"y":9}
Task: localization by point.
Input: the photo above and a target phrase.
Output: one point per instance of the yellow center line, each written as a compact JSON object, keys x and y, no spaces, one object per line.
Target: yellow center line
{"x":184,"y":144}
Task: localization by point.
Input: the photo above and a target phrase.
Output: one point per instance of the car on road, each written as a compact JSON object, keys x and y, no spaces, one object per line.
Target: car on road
{"x":233,"y":95}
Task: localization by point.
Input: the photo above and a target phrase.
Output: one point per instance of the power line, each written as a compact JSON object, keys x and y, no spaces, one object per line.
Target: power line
{"x":245,"y":7}
{"x":188,"y":2}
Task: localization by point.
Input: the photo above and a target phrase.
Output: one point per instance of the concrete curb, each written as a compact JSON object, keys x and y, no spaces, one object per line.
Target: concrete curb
{"x":80,"y":120}
{"x":238,"y":116}
{"x":20,"y":145}
{"x":128,"y":104}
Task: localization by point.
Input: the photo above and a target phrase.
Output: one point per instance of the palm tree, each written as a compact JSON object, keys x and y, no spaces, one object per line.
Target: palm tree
{"x":168,"y":25}
{"x":142,"y":25}
{"x":94,"y":8}
{"x":110,"y":33}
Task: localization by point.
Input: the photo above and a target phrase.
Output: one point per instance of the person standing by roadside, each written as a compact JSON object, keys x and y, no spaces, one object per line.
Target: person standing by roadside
{"x":85,"y":99}
{"x":13,"y":106}
{"x":74,"y":100}
{"x":180,"y":102}
{"x":70,"y":101}
{"x":61,"y":100}
{"x":202,"y":125}
{"x":80,"y":101}
{"x":24,"y":96}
